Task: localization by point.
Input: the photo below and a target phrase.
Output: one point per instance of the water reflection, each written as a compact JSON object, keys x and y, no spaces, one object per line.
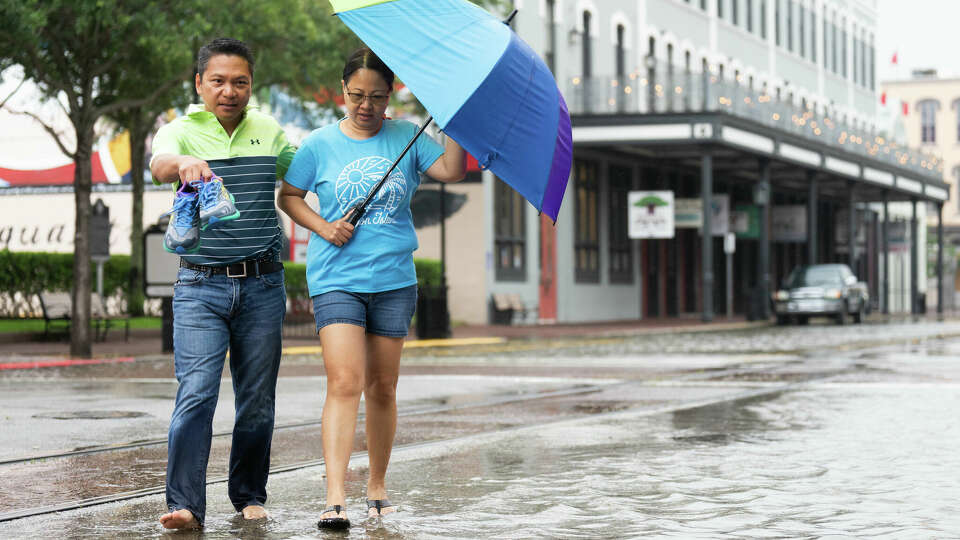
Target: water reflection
{"x":849,"y":460}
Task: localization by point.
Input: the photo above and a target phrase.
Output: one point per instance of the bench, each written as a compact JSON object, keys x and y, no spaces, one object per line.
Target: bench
{"x":56,"y":307}
{"x":508,"y":309}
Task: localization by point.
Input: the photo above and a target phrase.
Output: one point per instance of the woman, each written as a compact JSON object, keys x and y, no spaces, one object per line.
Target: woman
{"x":362,"y":281}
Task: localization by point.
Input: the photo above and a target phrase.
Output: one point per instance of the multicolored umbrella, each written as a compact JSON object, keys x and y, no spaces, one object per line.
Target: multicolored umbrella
{"x":483,"y":85}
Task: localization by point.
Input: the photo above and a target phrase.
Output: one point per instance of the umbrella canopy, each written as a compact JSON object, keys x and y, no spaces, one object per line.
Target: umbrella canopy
{"x":483,"y":85}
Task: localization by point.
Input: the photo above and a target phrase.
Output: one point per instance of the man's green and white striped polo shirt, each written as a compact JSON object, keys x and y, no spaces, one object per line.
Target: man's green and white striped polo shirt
{"x":250,"y":162}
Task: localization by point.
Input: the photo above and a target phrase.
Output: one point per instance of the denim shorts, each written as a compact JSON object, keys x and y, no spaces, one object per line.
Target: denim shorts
{"x":385,"y":313}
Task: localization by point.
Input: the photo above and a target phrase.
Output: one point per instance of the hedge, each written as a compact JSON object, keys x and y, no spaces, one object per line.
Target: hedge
{"x":31,"y":273}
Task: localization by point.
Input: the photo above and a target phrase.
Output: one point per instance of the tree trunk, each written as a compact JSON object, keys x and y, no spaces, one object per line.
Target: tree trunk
{"x":80,"y":342}
{"x":138,"y":127}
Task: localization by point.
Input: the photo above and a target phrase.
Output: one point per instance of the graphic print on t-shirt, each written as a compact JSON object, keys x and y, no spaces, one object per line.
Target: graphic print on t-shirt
{"x":356,"y":180}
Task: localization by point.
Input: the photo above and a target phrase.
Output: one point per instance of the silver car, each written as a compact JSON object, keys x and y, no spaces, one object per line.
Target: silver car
{"x":821,"y":290}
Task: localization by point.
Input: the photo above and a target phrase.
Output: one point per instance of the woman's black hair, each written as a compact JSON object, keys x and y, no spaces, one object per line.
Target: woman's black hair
{"x":365,"y":58}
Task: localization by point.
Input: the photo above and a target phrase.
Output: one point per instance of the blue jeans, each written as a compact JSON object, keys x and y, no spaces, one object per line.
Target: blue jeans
{"x":212,"y":313}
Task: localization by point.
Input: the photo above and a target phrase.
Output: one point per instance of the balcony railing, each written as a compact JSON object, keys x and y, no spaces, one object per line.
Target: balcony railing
{"x":658,"y":91}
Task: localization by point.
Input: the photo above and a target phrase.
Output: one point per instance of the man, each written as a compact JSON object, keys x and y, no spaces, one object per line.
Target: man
{"x":229,"y":292}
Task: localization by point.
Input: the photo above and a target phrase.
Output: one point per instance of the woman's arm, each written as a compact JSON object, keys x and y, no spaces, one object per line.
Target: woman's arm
{"x":452,"y":165}
{"x":290,"y":200}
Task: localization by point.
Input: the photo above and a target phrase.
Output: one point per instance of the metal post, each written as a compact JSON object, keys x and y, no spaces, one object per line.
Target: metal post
{"x":764,"y":258}
{"x":914,"y":260}
{"x":706,"y":197}
{"x":812,"y":227}
{"x":851,"y":231}
{"x":729,"y":280}
{"x":940,"y":258}
{"x":885,"y":287}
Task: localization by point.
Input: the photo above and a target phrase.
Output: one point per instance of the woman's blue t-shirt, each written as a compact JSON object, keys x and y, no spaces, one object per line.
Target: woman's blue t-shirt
{"x":341,"y":171}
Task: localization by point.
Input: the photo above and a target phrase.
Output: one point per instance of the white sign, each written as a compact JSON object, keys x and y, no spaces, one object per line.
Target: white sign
{"x":650,"y":214}
{"x":688,"y":213}
{"x":788,"y":223}
{"x":720,"y":216}
{"x":730,"y":243}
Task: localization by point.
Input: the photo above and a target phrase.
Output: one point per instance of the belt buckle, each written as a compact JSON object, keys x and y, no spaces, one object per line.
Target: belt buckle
{"x":238,"y":276}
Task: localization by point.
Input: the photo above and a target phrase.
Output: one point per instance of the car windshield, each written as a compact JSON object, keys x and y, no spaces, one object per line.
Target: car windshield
{"x":814,"y":276}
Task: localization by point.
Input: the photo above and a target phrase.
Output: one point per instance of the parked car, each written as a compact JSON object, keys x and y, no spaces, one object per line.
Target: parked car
{"x":821,"y":290}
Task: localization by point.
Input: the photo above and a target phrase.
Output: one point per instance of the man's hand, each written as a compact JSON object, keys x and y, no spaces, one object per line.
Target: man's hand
{"x":337,"y":233}
{"x":190,"y":168}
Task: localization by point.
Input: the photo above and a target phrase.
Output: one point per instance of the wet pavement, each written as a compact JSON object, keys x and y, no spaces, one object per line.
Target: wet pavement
{"x":757,"y":432}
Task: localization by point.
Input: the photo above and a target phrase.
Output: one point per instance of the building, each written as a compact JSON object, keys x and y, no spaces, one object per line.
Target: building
{"x":930,"y":116}
{"x":764,"y":109}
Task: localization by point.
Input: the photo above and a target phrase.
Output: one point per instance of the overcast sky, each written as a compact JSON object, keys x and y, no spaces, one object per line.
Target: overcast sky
{"x":923,"y":33}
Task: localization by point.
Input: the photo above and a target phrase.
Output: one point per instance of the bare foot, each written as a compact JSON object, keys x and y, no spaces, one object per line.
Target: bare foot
{"x":179,"y":519}
{"x":254,"y":512}
{"x":384,"y":509}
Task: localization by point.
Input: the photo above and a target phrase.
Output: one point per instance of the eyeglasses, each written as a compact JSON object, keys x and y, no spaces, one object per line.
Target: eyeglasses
{"x":376,"y":101}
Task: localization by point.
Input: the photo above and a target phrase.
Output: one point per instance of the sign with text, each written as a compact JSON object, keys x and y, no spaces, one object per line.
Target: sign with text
{"x":688,"y":213}
{"x":650,"y":214}
{"x":788,"y":223}
{"x":745,"y":221}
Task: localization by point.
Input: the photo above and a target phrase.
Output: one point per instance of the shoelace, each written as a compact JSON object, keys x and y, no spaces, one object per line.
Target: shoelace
{"x":210,"y":191}
{"x":185,"y":214}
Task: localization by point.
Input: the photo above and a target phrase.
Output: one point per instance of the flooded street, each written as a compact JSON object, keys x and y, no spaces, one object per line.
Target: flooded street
{"x":828,"y":441}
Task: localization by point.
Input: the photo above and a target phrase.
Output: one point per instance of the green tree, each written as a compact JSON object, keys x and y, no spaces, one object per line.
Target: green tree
{"x":72,"y":49}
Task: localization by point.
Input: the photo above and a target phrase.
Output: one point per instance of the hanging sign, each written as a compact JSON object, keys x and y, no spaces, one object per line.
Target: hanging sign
{"x":650,"y":214}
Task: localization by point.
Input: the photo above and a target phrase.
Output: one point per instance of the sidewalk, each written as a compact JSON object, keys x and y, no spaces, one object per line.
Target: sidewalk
{"x":148,"y":342}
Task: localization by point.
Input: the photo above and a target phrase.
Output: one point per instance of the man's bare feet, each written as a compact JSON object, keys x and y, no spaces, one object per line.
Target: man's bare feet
{"x":179,"y":519}
{"x":254,"y":512}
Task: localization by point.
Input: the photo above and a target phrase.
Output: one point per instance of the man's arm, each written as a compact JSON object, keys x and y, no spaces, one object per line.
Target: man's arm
{"x":169,"y":168}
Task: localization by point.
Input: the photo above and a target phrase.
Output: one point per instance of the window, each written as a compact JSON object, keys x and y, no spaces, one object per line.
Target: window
{"x":863,"y":60}
{"x":763,"y":19}
{"x":928,"y":120}
{"x":790,"y":25}
{"x":621,"y":62}
{"x":703,"y":5}
{"x":510,"y":233}
{"x":813,"y":36}
{"x":720,"y":9}
{"x":843,"y":47}
{"x":873,"y":59}
{"x":621,"y":256}
{"x":855,"y":71}
{"x":776,"y":21}
{"x":550,"y":54}
{"x":750,"y":16}
{"x":826,"y":37}
{"x":587,"y":64}
{"x":735,"y":12}
{"x":802,"y":19}
{"x":836,"y":49}
{"x":587,"y":209}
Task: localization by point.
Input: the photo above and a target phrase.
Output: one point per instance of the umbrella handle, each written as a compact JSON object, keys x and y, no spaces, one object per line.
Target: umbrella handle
{"x":361,"y":207}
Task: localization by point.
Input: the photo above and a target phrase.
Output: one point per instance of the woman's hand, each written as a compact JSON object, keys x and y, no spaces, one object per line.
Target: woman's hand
{"x":337,"y":233}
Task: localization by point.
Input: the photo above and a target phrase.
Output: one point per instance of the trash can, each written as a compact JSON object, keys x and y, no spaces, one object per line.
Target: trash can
{"x":433,"y":319}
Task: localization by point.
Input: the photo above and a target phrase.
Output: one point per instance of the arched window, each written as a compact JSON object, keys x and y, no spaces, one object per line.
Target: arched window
{"x":928,"y":120}
{"x":587,"y":60}
{"x":956,"y":107}
{"x":621,"y":59}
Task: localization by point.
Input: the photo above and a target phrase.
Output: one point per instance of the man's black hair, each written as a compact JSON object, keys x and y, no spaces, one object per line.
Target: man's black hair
{"x":229,"y":46}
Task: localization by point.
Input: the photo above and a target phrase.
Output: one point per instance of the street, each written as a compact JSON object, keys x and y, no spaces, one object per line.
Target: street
{"x":807,"y":431}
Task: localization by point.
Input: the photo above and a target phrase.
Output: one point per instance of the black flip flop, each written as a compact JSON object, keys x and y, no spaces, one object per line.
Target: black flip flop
{"x":379,"y":504}
{"x":335,"y":522}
